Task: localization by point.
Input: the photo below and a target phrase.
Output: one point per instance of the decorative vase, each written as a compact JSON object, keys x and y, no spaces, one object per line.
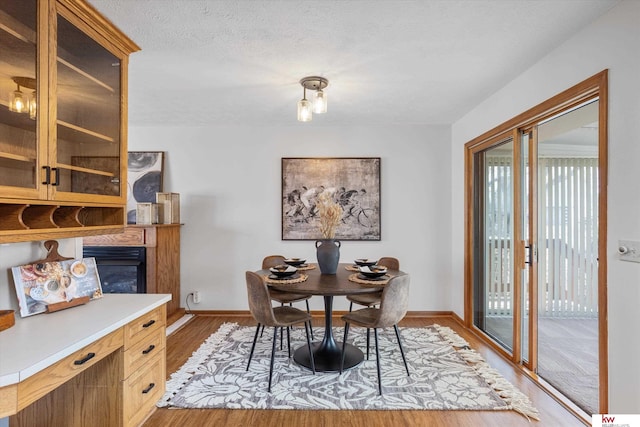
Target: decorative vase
{"x":328,"y":254}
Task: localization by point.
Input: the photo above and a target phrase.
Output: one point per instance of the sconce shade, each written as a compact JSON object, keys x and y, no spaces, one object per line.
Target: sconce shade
{"x":320,"y":102}
{"x":17,"y":103}
{"x":304,"y":110}
{"x":33,"y":106}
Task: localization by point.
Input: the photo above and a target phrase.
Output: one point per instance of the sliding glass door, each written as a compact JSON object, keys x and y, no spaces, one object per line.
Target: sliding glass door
{"x":493,"y":287}
{"x":535,"y":240}
{"x":567,"y":241}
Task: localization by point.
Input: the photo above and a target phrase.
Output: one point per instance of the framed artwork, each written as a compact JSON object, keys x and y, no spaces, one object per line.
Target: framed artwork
{"x":43,"y":283}
{"x":353,"y":183}
{"x":90,"y":183}
{"x":145,"y":170}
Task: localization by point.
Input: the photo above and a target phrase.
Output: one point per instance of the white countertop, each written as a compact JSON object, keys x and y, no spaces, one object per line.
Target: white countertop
{"x":39,"y":341}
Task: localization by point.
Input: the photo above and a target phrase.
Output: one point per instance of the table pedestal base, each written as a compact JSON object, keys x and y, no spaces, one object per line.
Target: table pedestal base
{"x":327,"y":359}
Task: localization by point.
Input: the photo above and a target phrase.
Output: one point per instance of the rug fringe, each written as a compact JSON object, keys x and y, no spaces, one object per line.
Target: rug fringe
{"x":516,"y":400}
{"x":184,"y":374}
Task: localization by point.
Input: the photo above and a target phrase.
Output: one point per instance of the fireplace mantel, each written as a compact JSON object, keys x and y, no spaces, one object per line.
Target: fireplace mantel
{"x":163,"y":258}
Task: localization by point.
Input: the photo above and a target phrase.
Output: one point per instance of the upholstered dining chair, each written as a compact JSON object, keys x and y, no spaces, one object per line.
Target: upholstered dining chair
{"x":373,"y":299}
{"x":276,"y":317}
{"x":279,"y":296}
{"x":393,"y":307}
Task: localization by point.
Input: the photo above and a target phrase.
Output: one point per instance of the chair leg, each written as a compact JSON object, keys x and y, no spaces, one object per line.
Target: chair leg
{"x":401,"y":349}
{"x":375,"y":335}
{"x":273,"y":352}
{"x":253,"y":346}
{"x":350,"y":306}
{"x":262,"y":331}
{"x":309,"y":311}
{"x":313,"y":363}
{"x":344,"y":346}
{"x":368,"y":339}
{"x":288,"y":343}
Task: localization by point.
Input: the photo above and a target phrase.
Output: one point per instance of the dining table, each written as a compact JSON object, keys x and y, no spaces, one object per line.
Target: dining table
{"x":327,"y":353}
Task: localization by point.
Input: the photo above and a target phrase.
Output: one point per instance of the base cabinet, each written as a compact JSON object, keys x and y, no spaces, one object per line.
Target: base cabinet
{"x":117,"y":386}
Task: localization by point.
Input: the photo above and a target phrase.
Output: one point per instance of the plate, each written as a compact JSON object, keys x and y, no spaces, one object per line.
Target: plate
{"x":78,"y":269}
{"x":372,"y":271}
{"x":283,"y":270}
{"x":372,"y":279}
{"x":365,"y":261}
{"x":274,"y":277}
{"x":295,"y":261}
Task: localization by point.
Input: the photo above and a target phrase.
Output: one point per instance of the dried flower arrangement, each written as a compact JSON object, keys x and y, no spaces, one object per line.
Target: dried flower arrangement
{"x":330,"y":214}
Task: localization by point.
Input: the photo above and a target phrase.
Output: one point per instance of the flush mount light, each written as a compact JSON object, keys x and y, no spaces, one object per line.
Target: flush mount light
{"x":306,"y":108}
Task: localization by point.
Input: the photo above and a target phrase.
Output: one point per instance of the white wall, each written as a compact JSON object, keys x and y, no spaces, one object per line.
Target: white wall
{"x":229,"y":181}
{"x":610,"y":42}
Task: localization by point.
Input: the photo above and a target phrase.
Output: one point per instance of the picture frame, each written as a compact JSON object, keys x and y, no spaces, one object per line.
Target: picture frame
{"x":145,"y":176}
{"x":352,"y":182}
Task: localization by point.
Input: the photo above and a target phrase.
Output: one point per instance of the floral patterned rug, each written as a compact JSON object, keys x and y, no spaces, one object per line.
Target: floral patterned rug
{"x":446,"y":374}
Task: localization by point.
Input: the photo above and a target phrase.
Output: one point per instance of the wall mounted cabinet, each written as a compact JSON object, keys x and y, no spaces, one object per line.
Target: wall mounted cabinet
{"x":63,"y":142}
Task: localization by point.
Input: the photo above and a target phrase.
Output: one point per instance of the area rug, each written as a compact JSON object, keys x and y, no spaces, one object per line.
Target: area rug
{"x":446,"y":374}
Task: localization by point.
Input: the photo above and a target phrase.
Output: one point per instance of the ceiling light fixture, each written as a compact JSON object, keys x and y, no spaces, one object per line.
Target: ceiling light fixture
{"x":306,"y":108}
{"x":18,"y":102}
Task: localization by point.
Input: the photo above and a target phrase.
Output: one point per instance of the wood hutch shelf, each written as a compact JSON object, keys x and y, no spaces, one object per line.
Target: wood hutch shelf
{"x":63,"y":146}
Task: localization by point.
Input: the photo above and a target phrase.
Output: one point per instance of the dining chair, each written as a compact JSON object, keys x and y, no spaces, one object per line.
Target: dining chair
{"x":280,"y":296}
{"x":393,"y":307}
{"x":276,"y":317}
{"x":373,"y":299}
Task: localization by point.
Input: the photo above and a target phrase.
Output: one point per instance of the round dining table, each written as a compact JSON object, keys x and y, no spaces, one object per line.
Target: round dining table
{"x":327,"y":353}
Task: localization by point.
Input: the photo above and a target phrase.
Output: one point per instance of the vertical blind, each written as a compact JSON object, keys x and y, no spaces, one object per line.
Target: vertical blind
{"x":568,"y":237}
{"x":567,"y":240}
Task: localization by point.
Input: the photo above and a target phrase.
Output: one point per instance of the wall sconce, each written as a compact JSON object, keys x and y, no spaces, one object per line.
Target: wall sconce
{"x":306,"y":108}
{"x":18,"y":102}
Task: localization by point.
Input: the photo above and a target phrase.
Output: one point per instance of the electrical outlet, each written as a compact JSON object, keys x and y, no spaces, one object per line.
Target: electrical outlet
{"x":196,"y":297}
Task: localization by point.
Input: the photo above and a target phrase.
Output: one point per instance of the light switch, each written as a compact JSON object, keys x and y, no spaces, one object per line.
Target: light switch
{"x":629,"y":250}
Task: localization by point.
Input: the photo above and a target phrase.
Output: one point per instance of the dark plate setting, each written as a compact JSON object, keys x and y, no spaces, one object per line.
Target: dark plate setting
{"x":295,"y":261}
{"x":283,"y":271}
{"x":292,"y":276}
{"x":373,"y":279}
{"x":373,"y":271}
{"x":365,"y":261}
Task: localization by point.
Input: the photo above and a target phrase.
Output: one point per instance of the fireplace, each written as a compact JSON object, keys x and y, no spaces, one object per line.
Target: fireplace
{"x":122,"y":269}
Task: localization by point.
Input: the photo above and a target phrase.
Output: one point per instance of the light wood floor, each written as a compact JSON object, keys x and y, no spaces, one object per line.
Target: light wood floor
{"x":182,"y":343}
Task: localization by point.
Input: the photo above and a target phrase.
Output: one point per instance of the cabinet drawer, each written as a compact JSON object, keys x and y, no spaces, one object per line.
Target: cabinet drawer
{"x":142,"y":390}
{"x":48,"y":379}
{"x":143,"y":351}
{"x":143,"y":326}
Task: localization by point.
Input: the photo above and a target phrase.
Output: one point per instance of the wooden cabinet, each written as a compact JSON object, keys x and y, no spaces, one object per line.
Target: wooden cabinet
{"x":144,"y":365}
{"x":63,"y":109}
{"x":162,"y":243}
{"x":113,"y":379}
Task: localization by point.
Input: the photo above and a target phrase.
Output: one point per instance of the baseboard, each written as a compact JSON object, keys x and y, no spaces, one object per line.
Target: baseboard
{"x":336,"y":313}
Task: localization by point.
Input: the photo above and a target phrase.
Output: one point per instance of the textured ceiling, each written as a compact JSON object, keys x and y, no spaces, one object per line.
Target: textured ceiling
{"x":388,"y":62}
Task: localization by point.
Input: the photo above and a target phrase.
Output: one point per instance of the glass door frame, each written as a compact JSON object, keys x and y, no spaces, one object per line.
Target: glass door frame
{"x":593,"y":87}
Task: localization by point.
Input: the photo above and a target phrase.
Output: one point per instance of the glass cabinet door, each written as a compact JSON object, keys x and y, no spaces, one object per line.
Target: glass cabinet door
{"x":19,"y":172}
{"x":88,"y":92}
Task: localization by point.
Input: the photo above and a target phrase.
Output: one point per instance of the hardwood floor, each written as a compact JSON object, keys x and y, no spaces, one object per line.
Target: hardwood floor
{"x":182,"y":343}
